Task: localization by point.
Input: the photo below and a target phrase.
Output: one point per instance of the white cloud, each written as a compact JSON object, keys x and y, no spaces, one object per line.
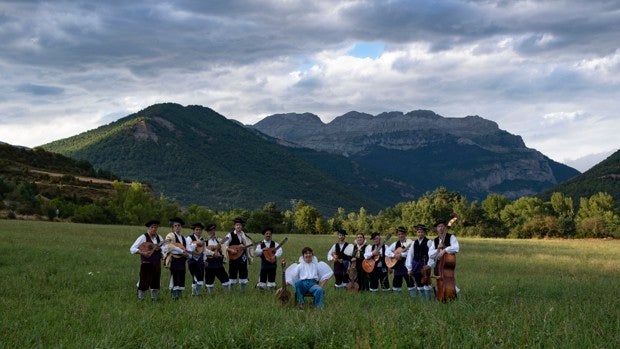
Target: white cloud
{"x":543,"y":70}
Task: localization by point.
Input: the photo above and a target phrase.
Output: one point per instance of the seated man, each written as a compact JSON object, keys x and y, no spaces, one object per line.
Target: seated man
{"x":309,"y":275}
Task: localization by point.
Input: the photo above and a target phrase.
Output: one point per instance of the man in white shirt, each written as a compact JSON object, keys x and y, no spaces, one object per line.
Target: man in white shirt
{"x":269,"y":251}
{"x":309,"y":275}
{"x":148,"y":247}
{"x":417,"y":258}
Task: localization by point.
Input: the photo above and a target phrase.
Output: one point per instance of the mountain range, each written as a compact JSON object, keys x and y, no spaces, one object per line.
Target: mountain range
{"x":195,"y":155}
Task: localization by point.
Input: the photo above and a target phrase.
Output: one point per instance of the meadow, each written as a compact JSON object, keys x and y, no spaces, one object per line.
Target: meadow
{"x":73,"y":286}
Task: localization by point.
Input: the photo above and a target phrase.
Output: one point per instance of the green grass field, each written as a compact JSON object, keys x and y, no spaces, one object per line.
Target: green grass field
{"x":73,"y":286}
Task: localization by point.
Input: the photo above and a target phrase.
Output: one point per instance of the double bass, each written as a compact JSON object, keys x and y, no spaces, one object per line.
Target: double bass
{"x":446,"y":286}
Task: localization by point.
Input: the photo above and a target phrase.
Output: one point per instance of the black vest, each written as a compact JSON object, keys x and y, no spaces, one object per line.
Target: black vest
{"x":420,"y":251}
{"x":264,"y":263}
{"x":446,"y":242}
{"x":340,"y":253}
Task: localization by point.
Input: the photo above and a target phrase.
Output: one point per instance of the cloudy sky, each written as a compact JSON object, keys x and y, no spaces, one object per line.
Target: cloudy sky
{"x":546,"y":70}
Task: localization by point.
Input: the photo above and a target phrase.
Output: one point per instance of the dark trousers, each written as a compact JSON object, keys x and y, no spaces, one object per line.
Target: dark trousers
{"x":268,"y":275}
{"x":397,"y":282}
{"x":379,"y":276}
{"x":197,"y":270}
{"x":212,"y":273}
{"x":362,"y":278}
{"x":340,"y":272}
{"x":150,"y":276}
{"x":238,"y":269}
{"x":177,"y":270}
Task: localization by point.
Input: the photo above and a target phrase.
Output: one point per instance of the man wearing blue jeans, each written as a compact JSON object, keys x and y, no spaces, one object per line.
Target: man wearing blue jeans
{"x":309,"y":275}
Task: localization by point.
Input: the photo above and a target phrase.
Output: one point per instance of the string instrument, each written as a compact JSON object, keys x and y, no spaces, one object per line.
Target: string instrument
{"x":283,"y":295}
{"x":235,"y":251}
{"x":147,"y":248}
{"x":398,"y":254}
{"x":369,"y":264}
{"x":182,"y":247}
{"x":426,"y":276}
{"x":200,"y":247}
{"x":217,"y":248}
{"x":352,"y":285}
{"x":270,"y":252}
{"x":446,"y":286}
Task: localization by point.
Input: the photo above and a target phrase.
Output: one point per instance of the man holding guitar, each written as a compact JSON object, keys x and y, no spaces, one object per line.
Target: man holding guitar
{"x":417,"y":258}
{"x":396,"y":255}
{"x":340,"y":259}
{"x":176,"y":247}
{"x":379,"y":273}
{"x":148,"y":247}
{"x":214,"y":264}
{"x":237,"y":245}
{"x":269,"y":251}
{"x":196,"y":262}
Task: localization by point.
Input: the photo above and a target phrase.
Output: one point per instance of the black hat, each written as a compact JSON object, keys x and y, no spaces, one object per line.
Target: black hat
{"x":441,"y":221}
{"x":374,"y":235}
{"x":151,"y":222}
{"x":197,"y":225}
{"x":176,"y":220}
{"x":210,"y":227}
{"x":421,"y":227}
{"x":238,"y":220}
{"x":267,"y":229}
{"x":401,"y":230}
{"x":342,"y":232}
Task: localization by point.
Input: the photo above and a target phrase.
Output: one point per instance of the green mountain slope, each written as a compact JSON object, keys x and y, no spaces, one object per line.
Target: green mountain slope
{"x":603,"y":177}
{"x":196,"y":155}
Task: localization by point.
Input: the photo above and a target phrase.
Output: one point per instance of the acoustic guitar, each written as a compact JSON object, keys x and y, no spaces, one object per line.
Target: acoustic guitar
{"x":283,"y":295}
{"x":270,"y":252}
{"x":399,"y":253}
{"x":369,"y":264}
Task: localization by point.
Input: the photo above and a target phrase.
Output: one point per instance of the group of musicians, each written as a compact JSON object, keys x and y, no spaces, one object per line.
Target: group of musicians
{"x":358,"y":266}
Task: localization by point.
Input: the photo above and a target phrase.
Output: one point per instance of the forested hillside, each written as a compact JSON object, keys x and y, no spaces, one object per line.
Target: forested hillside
{"x":196,"y":156}
{"x":603,"y":177}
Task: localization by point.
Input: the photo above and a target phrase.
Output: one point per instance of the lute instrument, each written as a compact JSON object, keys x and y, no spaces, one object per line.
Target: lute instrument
{"x":369,"y":264}
{"x":217,"y":248}
{"x":147,"y":248}
{"x":283,"y":295}
{"x":200,"y":247}
{"x":235,"y":251}
{"x":270,"y":252}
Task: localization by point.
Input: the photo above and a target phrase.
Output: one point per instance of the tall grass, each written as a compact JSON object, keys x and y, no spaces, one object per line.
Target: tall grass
{"x":73,"y":286}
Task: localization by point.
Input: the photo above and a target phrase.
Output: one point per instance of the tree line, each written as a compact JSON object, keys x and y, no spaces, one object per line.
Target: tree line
{"x":495,"y":216}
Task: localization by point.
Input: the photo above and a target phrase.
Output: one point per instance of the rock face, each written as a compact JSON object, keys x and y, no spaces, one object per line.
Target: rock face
{"x":424,"y":150}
